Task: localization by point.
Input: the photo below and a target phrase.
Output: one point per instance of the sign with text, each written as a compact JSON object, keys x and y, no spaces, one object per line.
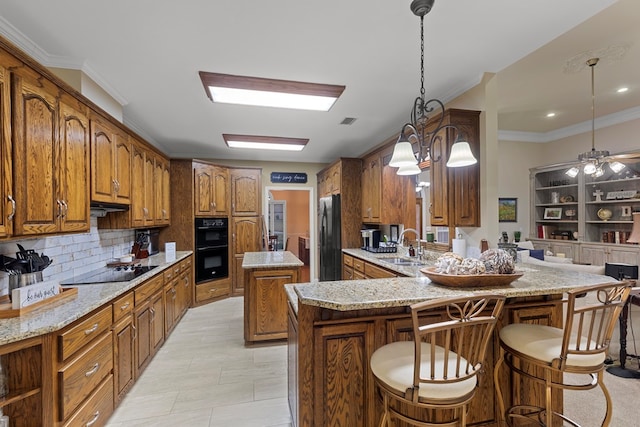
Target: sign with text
{"x":28,"y":295}
{"x":289,"y":177}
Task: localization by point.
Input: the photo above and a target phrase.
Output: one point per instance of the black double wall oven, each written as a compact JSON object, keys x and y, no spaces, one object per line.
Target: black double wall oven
{"x":212,"y":249}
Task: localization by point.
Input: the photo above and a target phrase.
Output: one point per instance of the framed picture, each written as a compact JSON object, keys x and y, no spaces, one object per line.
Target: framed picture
{"x":507,"y":209}
{"x":552,"y":213}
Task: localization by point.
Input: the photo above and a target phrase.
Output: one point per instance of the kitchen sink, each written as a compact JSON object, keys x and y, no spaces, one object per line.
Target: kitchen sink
{"x":401,"y":261}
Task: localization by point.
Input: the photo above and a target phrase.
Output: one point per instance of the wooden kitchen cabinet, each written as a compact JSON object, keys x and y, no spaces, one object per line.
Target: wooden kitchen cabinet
{"x":139,"y":210}
{"x":246,"y":188}
{"x":110,"y":163}
{"x":455,"y":192}
{"x":149,"y":321}
{"x":265,"y":309}
{"x":27,"y":403}
{"x":124,"y":334}
{"x":246,"y":233}
{"x":387,"y":198}
{"x":211,"y":185}
{"x":161,"y":181}
{"x":7,"y":209}
{"x":50,"y":157}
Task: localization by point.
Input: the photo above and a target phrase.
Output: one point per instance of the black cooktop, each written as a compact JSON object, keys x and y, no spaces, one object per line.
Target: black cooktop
{"x":108,"y":274}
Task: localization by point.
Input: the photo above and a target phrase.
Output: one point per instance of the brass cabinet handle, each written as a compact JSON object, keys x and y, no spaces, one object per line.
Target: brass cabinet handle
{"x":125,"y":306}
{"x":145,"y":212}
{"x":135,"y":332}
{"x":93,"y":420}
{"x":153,"y":313}
{"x":93,"y":370}
{"x":13,"y":208}
{"x":59,"y":203}
{"x":65,"y":208}
{"x":91,"y":330}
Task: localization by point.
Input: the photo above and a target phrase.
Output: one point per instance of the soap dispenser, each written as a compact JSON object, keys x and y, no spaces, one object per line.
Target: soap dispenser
{"x":412,"y":251}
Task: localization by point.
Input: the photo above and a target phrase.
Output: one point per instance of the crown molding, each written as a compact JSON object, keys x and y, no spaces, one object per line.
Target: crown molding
{"x":41,"y":56}
{"x":583,"y":127}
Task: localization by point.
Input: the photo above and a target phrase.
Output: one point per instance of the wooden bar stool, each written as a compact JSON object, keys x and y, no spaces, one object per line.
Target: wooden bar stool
{"x":438,"y":369}
{"x":579,"y":348}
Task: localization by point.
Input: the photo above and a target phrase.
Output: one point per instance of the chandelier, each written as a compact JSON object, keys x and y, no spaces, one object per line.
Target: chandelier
{"x":415,"y":131}
{"x":594,"y":160}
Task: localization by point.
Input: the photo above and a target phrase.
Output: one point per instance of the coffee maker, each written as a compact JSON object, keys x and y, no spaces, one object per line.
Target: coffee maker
{"x":370,"y":239}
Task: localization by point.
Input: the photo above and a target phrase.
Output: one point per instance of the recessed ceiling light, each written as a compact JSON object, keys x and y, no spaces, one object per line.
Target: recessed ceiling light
{"x":551,"y":114}
{"x":623,"y":89}
{"x":230,"y":89}
{"x":254,"y":142}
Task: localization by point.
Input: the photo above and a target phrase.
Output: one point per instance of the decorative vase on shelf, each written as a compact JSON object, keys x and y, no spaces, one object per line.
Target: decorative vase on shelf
{"x":604,"y":214}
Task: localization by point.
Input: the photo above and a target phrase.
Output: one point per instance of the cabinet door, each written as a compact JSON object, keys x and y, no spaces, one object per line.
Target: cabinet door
{"x":171,"y":302}
{"x":138,"y":203}
{"x":74,"y":165}
{"x":143,"y":347}
{"x":6,"y":183}
{"x":439,"y":197}
{"x":268,"y":303}
{"x":245,"y":192}
{"x":594,"y":255}
{"x":371,"y":189}
{"x":103,"y":162}
{"x":203,"y":189}
{"x":624,"y":255}
{"x":464,"y":182}
{"x":245,"y":238}
{"x":165,"y":194}
{"x":36,"y":156}
{"x":346,"y":350}
{"x":149,"y":189}
{"x":157,"y":321}
{"x":123,"y":359}
{"x":123,"y":168}
{"x":221,"y":191}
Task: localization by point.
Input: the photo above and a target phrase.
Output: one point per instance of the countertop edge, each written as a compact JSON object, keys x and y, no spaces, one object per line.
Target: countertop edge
{"x":45,"y":320}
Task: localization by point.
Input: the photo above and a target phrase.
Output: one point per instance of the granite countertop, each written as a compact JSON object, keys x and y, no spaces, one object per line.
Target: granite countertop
{"x":428,"y":259}
{"x":270,"y":259}
{"x":348,"y":295}
{"x":49,"y":319}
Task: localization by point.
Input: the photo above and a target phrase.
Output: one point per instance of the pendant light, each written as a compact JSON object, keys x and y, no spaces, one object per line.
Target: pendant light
{"x":594,"y":160}
{"x":403,"y":156}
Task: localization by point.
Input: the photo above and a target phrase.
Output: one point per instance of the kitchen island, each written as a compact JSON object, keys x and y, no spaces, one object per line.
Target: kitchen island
{"x":334,"y":327}
{"x":265,"y":300}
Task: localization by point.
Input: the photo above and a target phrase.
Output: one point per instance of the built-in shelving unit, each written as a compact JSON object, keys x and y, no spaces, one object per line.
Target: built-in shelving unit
{"x":586,"y":218}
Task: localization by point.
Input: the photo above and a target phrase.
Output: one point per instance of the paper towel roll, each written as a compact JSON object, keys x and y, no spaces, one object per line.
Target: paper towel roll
{"x":460,"y":247}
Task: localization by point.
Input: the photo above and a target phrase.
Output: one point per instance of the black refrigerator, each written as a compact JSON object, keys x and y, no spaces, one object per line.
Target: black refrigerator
{"x":330,"y":243}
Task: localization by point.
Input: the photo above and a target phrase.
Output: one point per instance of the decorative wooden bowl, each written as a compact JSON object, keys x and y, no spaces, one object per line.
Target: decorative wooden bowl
{"x":469,"y":280}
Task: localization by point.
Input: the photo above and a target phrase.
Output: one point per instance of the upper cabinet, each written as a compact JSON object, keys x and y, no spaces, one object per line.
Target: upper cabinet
{"x":110,"y":163}
{"x":246,"y":187}
{"x":211,"y":184}
{"x":7,"y":202}
{"x":387,"y":198}
{"x":50,"y":136}
{"x":455,"y":192}
{"x":161,"y":183}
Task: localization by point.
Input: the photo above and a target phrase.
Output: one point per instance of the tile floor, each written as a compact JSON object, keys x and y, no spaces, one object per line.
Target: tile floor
{"x":204,"y":376}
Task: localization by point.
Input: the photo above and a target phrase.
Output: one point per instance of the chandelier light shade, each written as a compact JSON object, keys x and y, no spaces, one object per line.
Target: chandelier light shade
{"x":594,"y":160}
{"x":403,"y":156}
{"x":635,"y":231}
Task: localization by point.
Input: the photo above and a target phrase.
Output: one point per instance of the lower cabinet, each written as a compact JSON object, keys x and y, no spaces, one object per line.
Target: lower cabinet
{"x":355,"y":269}
{"x":265,"y":303}
{"x":330,"y":381}
{"x":77,"y":375}
{"x":599,"y":254}
{"x":209,"y":291}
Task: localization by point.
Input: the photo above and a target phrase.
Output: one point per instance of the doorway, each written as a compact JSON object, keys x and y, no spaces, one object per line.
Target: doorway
{"x":290,"y":214}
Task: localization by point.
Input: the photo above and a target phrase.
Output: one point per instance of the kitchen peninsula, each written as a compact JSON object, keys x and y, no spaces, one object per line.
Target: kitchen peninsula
{"x":334,"y":327}
{"x":265,"y":300}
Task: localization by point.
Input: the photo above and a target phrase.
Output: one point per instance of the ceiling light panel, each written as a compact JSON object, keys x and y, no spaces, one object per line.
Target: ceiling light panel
{"x":226,"y":88}
{"x":254,"y":142}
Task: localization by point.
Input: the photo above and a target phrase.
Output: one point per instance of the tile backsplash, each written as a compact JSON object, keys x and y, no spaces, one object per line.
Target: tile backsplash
{"x":72,"y":254}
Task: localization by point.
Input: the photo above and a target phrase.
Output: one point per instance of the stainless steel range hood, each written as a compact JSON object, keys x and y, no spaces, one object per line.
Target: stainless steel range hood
{"x":99,"y":209}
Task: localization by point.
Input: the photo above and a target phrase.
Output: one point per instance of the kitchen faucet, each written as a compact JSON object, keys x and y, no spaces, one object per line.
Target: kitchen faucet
{"x":400,"y":239}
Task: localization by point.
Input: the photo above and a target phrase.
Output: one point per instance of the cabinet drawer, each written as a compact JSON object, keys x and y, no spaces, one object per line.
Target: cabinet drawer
{"x":348,"y":260}
{"x":358,"y":265}
{"x":185,"y":265}
{"x":374,"y":272}
{"x":171,"y":272}
{"x":206,"y":291}
{"x":148,"y":288}
{"x":96,"y":411}
{"x":78,"y":336}
{"x":80,"y":377}
{"x":122,"y":306}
